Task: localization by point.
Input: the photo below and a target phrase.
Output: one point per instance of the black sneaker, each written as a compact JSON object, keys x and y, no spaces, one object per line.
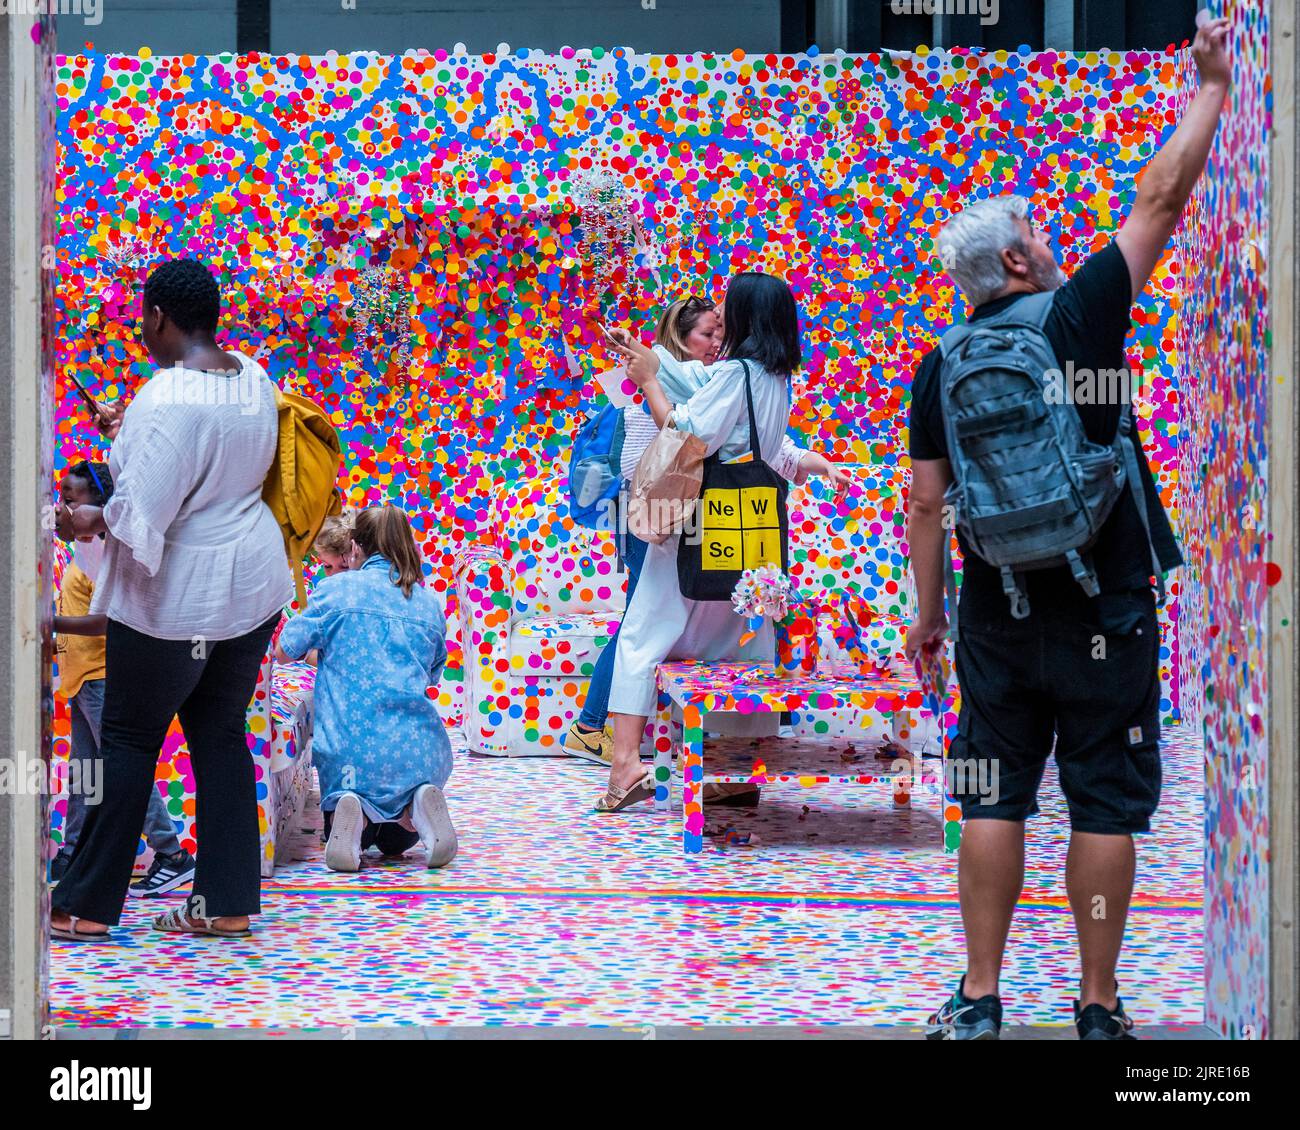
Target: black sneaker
{"x":166,"y":873}
{"x":965,"y":1019}
{"x":1097,"y":1022}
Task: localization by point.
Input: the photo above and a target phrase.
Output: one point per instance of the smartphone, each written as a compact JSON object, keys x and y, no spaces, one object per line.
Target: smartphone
{"x":90,"y":402}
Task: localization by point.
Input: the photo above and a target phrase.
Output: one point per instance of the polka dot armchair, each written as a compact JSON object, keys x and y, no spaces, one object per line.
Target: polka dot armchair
{"x":537,"y":604}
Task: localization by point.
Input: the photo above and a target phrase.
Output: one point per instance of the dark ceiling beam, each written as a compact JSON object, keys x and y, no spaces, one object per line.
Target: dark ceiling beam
{"x":252,"y":26}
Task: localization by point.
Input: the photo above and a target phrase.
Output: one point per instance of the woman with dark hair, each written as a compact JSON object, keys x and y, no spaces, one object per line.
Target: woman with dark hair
{"x":760,"y":348}
{"x":687,"y":340}
{"x":192,"y":584}
{"x":379,"y":746}
{"x":688,"y":329}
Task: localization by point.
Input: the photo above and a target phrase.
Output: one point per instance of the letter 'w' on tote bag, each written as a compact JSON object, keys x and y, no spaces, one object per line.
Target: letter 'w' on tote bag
{"x":741,"y":525}
{"x":666,"y":485}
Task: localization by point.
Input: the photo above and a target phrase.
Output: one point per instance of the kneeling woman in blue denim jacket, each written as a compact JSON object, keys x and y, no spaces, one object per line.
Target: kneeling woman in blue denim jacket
{"x":379,"y":745}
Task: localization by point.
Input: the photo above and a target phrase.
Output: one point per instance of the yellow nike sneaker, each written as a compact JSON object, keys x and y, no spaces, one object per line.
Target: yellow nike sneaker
{"x":596,"y":746}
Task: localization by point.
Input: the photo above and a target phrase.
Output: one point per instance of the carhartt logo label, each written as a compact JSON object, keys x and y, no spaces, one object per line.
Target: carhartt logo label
{"x":1135,"y":735}
{"x":75,"y":1083}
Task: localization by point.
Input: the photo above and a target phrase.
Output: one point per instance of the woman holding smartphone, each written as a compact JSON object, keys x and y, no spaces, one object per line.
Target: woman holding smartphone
{"x":193,"y":581}
{"x":687,"y":340}
{"x":760,"y":351}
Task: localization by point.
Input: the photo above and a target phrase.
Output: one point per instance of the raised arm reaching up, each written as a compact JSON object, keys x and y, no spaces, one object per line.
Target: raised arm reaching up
{"x":1167,"y":182}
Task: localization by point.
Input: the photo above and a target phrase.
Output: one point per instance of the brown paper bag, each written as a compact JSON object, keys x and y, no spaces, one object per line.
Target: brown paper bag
{"x":666,"y":485}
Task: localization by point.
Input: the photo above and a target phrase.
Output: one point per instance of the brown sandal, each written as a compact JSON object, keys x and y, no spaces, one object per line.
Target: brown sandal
{"x":70,"y":933}
{"x":616,"y":799}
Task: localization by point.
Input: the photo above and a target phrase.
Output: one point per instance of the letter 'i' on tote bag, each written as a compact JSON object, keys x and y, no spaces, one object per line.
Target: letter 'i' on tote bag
{"x":665,"y":485}
{"x":741,"y":524}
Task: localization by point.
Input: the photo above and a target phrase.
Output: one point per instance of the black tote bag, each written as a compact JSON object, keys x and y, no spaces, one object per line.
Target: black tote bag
{"x":740,"y":522}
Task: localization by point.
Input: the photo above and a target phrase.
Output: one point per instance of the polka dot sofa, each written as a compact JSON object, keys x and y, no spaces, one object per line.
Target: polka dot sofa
{"x":541,"y":598}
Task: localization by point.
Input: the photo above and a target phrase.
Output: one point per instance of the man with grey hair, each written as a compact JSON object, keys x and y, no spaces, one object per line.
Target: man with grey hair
{"x":1061,"y":669}
{"x":971,"y":244}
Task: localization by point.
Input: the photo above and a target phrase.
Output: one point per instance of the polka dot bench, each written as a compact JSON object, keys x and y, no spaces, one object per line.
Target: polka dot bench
{"x":541,"y":598}
{"x":702,"y":690}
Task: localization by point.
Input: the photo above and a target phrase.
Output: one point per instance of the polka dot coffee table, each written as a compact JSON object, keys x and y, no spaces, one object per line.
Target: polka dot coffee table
{"x":742,"y":688}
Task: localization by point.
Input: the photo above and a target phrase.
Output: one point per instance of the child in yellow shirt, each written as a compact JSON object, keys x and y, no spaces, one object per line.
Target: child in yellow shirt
{"x":81,"y":683}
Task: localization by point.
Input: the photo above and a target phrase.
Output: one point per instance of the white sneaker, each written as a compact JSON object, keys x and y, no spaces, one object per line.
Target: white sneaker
{"x":343,"y":851}
{"x":433,"y":822}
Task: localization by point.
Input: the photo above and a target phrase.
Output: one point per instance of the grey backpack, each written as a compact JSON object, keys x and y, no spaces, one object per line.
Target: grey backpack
{"x":1030,"y":490}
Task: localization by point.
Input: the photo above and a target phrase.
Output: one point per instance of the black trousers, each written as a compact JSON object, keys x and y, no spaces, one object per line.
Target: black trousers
{"x":148,"y":683}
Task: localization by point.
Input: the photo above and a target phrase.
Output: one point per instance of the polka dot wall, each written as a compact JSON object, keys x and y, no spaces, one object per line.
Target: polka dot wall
{"x":423,"y":244}
{"x":1223,"y":338}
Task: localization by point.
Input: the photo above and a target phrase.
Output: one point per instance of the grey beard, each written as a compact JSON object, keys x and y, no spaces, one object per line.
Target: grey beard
{"x":1049,"y":280}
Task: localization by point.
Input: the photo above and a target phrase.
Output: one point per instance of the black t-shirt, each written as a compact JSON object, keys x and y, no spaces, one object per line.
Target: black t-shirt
{"x":1087,"y":325}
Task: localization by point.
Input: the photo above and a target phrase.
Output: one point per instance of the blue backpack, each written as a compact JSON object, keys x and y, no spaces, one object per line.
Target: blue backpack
{"x":595,"y":474}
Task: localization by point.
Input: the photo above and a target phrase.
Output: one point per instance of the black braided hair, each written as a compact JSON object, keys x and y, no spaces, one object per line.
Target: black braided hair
{"x":186,"y":292}
{"x":96,"y":478}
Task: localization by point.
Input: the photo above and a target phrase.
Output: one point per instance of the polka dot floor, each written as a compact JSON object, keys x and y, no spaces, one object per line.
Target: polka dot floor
{"x":840,"y":910}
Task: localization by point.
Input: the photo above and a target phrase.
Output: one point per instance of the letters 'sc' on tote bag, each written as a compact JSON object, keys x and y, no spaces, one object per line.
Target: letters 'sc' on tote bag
{"x":742,"y":522}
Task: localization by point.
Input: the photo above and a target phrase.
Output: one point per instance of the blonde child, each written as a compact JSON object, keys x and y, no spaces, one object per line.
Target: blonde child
{"x":379,"y":746}
{"x":333,"y":545}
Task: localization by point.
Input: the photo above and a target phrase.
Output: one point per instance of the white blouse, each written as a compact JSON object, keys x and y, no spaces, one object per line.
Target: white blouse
{"x":718,"y":413}
{"x":192,"y":550}
{"x":681,"y":380}
{"x":639,"y":431}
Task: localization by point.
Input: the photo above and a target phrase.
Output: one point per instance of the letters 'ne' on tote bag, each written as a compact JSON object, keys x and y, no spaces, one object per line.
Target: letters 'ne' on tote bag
{"x":666,"y":485}
{"x":742,"y":522}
